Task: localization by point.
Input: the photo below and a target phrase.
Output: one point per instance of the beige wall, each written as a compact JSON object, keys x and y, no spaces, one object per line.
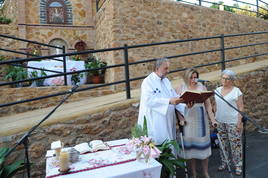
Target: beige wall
{"x":31,"y":29}
{"x":82,"y":12}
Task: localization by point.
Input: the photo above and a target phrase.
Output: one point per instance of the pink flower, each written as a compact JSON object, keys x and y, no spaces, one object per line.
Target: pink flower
{"x":73,"y":69}
{"x":155,"y":152}
{"x":146,"y":140}
{"x":57,"y":81}
{"x":146,"y":149}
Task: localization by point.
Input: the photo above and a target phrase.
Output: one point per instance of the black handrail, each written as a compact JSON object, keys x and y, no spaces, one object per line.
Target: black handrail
{"x":127,"y":64}
{"x":28,"y":41}
{"x":34,"y":55}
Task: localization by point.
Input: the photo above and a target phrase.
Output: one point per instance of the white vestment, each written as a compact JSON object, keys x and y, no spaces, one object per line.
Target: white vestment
{"x":154,"y":105}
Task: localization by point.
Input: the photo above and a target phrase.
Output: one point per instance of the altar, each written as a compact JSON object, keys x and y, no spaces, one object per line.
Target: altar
{"x":71,"y":66}
{"x":115,"y":162}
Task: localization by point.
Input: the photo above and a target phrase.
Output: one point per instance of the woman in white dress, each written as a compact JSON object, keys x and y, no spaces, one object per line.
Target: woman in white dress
{"x":230,"y":121}
{"x":196,"y":128}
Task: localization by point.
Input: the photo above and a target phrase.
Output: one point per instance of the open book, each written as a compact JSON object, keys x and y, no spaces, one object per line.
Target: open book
{"x":196,"y":96}
{"x":94,"y":145}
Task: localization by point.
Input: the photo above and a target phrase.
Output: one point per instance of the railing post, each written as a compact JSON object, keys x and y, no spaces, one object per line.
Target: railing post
{"x":64,"y":65}
{"x":127,"y":71}
{"x":222,"y":53}
{"x":200,"y":2}
{"x":257,"y":5}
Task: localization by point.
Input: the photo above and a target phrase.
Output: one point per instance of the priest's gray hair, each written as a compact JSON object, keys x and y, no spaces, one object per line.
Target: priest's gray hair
{"x":159,"y":62}
{"x":230,"y":73}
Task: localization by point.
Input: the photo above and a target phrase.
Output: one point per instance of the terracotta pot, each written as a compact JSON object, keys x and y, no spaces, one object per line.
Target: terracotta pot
{"x":97,"y":79}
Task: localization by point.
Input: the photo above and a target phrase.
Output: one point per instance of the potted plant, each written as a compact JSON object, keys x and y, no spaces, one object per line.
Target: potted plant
{"x":15,"y":73}
{"x":4,"y":20}
{"x":9,"y":170}
{"x":95,"y":76}
{"x":168,"y":160}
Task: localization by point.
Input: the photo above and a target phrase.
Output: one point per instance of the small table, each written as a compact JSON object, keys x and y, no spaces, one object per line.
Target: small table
{"x":58,"y":66}
{"x":109,"y":163}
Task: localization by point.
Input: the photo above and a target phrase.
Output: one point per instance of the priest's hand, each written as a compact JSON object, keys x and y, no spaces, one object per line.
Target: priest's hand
{"x":176,"y":100}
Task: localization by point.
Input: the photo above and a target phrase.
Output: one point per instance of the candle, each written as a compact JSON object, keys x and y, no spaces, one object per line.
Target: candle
{"x":57,"y":152}
{"x":64,"y":161}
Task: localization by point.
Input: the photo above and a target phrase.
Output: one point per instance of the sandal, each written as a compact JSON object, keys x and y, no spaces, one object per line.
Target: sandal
{"x":222,"y":167}
{"x":238,"y":171}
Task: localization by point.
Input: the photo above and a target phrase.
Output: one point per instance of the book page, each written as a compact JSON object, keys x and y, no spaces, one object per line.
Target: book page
{"x":98,"y":145}
{"x":82,"y":148}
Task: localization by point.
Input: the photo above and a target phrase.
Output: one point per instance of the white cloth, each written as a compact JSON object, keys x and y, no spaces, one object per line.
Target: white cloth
{"x":225,"y":113}
{"x":58,"y":66}
{"x":104,"y":164}
{"x":154,"y":105}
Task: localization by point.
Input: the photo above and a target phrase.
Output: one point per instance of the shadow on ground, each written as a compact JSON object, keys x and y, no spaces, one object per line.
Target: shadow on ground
{"x":256,"y":159}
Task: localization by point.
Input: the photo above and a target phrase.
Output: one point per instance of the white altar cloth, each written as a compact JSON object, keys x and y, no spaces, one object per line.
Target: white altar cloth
{"x":58,"y":66}
{"x":121,"y":165}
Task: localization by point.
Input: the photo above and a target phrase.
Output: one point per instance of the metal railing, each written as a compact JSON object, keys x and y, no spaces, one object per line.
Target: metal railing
{"x":34,"y":55}
{"x":126,"y":64}
{"x":259,"y":4}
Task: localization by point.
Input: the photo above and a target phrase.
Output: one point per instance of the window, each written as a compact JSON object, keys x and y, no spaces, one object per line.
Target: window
{"x":81,"y":46}
{"x":57,"y":42}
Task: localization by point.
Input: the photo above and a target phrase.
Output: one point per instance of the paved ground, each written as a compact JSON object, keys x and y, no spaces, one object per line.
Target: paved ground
{"x":256,"y":159}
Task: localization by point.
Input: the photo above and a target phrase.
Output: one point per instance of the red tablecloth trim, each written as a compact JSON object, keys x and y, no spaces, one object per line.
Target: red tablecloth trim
{"x":87,"y":169}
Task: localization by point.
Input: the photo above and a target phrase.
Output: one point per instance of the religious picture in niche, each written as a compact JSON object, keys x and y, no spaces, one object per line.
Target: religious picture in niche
{"x":56,"y":13}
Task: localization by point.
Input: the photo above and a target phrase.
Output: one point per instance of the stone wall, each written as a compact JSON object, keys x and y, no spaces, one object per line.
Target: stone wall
{"x":26,"y":21}
{"x":115,"y":121}
{"x":134,"y":22}
{"x":9,"y":95}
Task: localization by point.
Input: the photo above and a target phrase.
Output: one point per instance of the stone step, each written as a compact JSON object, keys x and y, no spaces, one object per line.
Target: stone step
{"x":17,"y":123}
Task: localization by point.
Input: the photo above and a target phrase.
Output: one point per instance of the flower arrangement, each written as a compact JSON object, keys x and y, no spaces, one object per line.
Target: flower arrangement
{"x":145,"y":148}
{"x":163,"y":152}
{"x":58,"y":81}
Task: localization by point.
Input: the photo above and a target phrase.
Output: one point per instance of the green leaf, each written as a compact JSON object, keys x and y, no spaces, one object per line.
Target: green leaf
{"x":169,"y":166}
{"x":13,"y":168}
{"x":3,"y":151}
{"x":138,"y":131}
{"x":145,"y":131}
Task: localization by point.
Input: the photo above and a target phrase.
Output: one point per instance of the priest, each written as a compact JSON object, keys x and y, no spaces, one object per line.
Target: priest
{"x":158,"y":103}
